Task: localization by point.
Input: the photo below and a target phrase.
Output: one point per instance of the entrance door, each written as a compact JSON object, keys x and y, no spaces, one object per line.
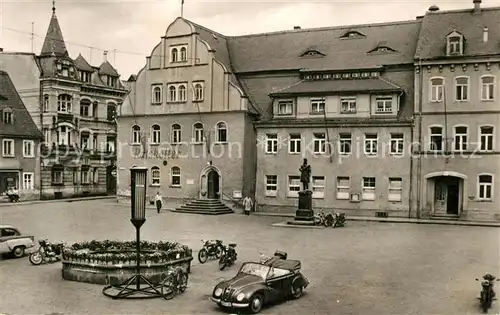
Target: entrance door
{"x":213,"y":185}
{"x":440,"y":197}
{"x":447,"y":196}
{"x":111,"y":180}
{"x":452,"y":202}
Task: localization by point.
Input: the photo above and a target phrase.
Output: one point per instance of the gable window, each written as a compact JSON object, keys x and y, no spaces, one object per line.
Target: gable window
{"x":436,"y":139}
{"x":64,"y":103}
{"x":461,"y":138}
{"x":176,"y":133}
{"x":485,"y":187}
{"x":345,"y":143}
{"x":172,"y":93}
{"x":272,"y":143}
{"x":371,"y":144}
{"x":111,"y":112}
{"x":368,"y":191}
{"x":8,"y":116}
{"x":384,"y":104}
{"x":347,"y":105}
{"x":285,"y":107}
{"x":29,"y":148}
{"x":318,"y":186}
{"x":198,"y":91}
{"x":136,"y":134}
{"x":271,"y":185}
{"x":293,"y":186}
{"x":175,"y":174}
{"x":487,"y":88}
{"x":155,"y":176}
{"x":156,"y":96}
{"x":8,"y":148}
{"x":182,"y":93}
{"x":437,"y":88}
{"x":455,"y":45}
{"x":395,"y":189}
{"x":319,"y":143}
{"x":221,"y":132}
{"x":294,"y":144}
{"x":198,"y":135}
{"x":486,"y":138}
{"x":397,"y":143}
{"x":183,"y":54}
{"x":343,"y":187}
{"x":174,"y":55}
{"x":63,"y":135}
{"x":46,"y":104}
{"x":317,"y":106}
{"x":155,"y":134}
{"x":28,"y":181}
{"x":461,"y":89}
{"x":85,"y":108}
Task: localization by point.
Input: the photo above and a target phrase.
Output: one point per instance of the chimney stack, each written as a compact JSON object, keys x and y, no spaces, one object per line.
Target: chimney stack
{"x":485,"y":34}
{"x":105,"y":56}
{"x":1,"y":49}
{"x":477,"y":6}
{"x":296,"y":27}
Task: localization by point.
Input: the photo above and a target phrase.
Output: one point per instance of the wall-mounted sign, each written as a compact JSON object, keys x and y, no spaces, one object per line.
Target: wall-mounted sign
{"x":190,"y":182}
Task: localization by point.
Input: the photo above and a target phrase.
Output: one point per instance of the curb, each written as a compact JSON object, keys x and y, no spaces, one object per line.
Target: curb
{"x":22,"y":203}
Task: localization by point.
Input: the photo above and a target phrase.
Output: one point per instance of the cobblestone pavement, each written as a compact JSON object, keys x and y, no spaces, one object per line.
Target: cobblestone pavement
{"x":364,"y":268}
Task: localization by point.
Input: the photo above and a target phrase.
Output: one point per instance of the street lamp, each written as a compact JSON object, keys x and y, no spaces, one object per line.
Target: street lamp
{"x":143,"y":287}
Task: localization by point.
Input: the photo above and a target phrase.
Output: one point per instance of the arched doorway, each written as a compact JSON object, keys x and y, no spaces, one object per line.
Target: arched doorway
{"x":445,"y":193}
{"x":213,"y":184}
{"x":210,"y":182}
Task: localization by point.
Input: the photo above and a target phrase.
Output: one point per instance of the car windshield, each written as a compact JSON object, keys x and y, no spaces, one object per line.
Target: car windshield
{"x":255,"y":270}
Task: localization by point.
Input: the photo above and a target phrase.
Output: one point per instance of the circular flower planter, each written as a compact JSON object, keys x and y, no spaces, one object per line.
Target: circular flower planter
{"x":113,"y":262}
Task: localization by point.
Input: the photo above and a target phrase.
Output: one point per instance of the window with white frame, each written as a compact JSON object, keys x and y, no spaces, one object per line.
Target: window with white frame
{"x":155,"y":134}
{"x":319,"y":142}
{"x":343,"y":187}
{"x":485,"y":187}
{"x":436,"y":90}
{"x":371,"y":143}
{"x":487,"y":88}
{"x":156,"y":94}
{"x":182,"y":93}
{"x":293,"y":186}
{"x":294,"y":143}
{"x":318,"y":186}
{"x":285,"y":107}
{"x":46,"y":103}
{"x":454,"y":45}
{"x":436,"y":139}
{"x":461,"y":89}
{"x":397,"y":143}
{"x":221,"y":132}
{"x":198,"y":91}
{"x":155,"y":176}
{"x":175,"y":174}
{"x":64,"y":103}
{"x":383,"y":104}
{"x":85,"y":108}
{"x":8,"y":116}
{"x":345,"y":143}
{"x":368,"y":192}
{"x":136,"y":134}
{"x":348,"y":105}
{"x":271,"y":185}
{"x":176,"y":133}
{"x":85,"y":175}
{"x":183,"y":56}
{"x":272,"y":143}
{"x":460,"y":138}
{"x":28,"y":148}
{"x":317,"y":105}
{"x":198,"y":134}
{"x":63,"y":135}
{"x":174,"y":54}
{"x":172,"y":93}
{"x":28,"y":181}
{"x":486,"y":138}
{"x":8,"y":148}
{"x":395,"y":189}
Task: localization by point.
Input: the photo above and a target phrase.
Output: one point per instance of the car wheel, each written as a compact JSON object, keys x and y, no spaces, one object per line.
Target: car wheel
{"x":202,"y":256}
{"x":18,"y":251}
{"x":297,"y":290}
{"x":256,"y":303}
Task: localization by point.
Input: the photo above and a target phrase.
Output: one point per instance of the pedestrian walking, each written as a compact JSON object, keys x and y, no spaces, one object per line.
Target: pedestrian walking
{"x":158,"y":201}
{"x":247,"y":204}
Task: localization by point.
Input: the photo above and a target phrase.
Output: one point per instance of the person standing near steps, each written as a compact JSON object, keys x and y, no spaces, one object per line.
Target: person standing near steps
{"x":158,"y":201}
{"x":248,"y":204}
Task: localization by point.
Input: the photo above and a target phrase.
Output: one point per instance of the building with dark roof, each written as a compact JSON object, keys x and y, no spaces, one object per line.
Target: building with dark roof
{"x":457,"y":114}
{"x":19,"y":143}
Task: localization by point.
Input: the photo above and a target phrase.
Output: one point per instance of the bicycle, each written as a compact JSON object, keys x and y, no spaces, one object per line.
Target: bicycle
{"x":174,"y":283}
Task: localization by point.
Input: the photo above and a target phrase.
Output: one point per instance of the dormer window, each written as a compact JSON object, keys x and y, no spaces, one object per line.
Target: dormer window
{"x":110,"y":81}
{"x":352,"y":35}
{"x":84,"y":76}
{"x":312,"y":53}
{"x":455,"y":44}
{"x":7,"y":115}
{"x":382,"y":49}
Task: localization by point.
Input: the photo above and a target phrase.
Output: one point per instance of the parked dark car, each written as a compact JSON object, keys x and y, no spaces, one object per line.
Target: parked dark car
{"x":257,"y":284}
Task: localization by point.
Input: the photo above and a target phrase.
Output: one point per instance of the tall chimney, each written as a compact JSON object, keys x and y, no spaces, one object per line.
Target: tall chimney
{"x":296,"y":27}
{"x":1,"y":49}
{"x":477,"y":6}
{"x":485,"y":34}
{"x":105,"y":56}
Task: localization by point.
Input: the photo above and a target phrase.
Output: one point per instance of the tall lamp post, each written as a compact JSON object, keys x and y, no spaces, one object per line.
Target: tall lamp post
{"x":143,"y":287}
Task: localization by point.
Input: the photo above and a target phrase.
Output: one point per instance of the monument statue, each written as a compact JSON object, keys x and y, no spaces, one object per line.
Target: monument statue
{"x":305,"y":175}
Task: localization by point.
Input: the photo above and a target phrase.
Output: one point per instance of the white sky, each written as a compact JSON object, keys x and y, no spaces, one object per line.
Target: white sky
{"x":134,"y":27}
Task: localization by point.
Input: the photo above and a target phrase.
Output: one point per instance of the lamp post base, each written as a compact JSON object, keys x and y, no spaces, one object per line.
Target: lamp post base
{"x":130,"y":290}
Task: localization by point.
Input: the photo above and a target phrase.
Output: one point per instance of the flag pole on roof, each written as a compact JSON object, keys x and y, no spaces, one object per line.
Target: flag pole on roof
{"x":182,"y":8}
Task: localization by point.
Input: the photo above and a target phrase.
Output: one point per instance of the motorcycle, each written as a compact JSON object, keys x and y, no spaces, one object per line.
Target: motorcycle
{"x":487,"y":292}
{"x":47,"y":252}
{"x":229,"y":257}
{"x":338,"y":219}
{"x":213,"y":248}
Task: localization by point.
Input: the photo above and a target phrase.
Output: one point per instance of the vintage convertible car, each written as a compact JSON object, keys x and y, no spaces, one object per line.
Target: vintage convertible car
{"x":257,"y":284}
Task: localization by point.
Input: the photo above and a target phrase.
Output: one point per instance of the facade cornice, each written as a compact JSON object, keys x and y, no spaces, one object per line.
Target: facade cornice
{"x":321,"y":123}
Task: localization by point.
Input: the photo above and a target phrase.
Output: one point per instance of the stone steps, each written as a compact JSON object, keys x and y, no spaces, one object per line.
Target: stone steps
{"x":205,"y":206}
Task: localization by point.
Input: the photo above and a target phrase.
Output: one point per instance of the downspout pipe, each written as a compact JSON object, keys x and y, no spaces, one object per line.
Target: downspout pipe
{"x":40,"y":161}
{"x":420,"y":136}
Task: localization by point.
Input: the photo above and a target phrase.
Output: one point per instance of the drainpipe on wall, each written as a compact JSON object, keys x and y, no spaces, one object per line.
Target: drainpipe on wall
{"x":419,"y":165}
{"x":40,"y":162}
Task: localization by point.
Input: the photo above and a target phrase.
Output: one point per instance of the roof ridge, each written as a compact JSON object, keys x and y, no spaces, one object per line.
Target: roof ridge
{"x":462,"y":10}
{"x":205,"y":28}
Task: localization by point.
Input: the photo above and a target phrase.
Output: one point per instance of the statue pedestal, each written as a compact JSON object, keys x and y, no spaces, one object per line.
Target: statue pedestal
{"x":305,"y":214}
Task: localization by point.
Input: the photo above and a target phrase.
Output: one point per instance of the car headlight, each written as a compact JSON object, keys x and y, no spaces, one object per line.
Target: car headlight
{"x":240,"y":297}
{"x":218,"y":292}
